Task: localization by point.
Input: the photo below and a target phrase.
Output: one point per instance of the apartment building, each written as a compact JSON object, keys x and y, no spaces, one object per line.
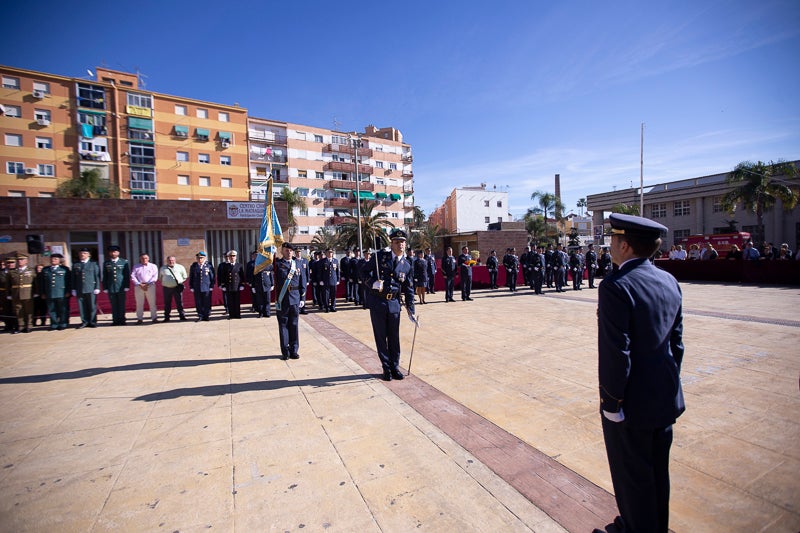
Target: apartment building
{"x":472,"y":209}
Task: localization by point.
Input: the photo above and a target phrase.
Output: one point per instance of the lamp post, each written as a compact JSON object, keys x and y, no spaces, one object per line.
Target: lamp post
{"x":356,"y":142}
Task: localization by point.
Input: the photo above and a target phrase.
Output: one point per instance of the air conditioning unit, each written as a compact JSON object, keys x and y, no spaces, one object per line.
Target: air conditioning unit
{"x":38,"y":94}
{"x":31,"y":171}
{"x":225,"y":144}
{"x":42,"y":122}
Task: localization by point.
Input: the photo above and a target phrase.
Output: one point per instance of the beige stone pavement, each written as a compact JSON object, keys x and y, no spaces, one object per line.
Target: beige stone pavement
{"x":193,"y":426}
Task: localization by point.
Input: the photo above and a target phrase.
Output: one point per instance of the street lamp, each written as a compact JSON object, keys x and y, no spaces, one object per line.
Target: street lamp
{"x":356,"y":143}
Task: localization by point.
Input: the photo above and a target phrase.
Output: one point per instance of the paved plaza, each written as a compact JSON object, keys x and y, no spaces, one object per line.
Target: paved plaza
{"x":187,"y":426}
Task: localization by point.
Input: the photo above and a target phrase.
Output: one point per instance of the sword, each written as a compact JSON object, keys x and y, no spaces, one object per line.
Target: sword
{"x":413,"y":341}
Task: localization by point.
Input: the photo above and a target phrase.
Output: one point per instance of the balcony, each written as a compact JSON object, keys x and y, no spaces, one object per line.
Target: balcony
{"x":273,"y":158}
{"x":407,"y":158}
{"x":347,"y":149}
{"x":341,"y":166}
{"x":335,"y":221}
{"x":408,"y":188}
{"x":349,"y":185}
{"x":262,"y":178}
{"x":266,"y":136}
{"x":341,"y":202}
{"x":407,"y":174}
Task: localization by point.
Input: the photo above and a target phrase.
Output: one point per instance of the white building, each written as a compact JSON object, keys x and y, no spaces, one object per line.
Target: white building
{"x":472,"y":209}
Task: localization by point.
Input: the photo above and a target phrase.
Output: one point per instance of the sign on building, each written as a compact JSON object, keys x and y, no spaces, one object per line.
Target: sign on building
{"x":246,"y":210}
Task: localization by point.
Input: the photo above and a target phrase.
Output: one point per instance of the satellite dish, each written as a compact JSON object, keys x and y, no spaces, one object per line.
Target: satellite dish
{"x":90,"y":73}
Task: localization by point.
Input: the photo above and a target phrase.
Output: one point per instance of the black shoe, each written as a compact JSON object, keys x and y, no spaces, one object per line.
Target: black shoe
{"x":167,"y":319}
{"x":139,"y":321}
{"x":81,"y":326}
{"x":92,"y":325}
{"x":387,"y":375}
{"x":469,"y":299}
{"x":294,"y":356}
{"x":284,"y":357}
{"x":183,"y":319}
{"x":396,"y":374}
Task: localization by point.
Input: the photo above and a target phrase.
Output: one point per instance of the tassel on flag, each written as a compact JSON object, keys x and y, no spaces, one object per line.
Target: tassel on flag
{"x":270,"y":237}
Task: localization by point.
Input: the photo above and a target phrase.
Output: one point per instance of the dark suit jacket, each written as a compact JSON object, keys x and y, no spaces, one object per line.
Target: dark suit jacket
{"x":640,"y":344}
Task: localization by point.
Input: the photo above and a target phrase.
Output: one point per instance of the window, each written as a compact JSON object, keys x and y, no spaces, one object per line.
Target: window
{"x":16,"y":194}
{"x":182,"y":156}
{"x":143,"y":179}
{"x":658,"y":210}
{"x":302,"y":173}
{"x":205,"y":181}
{"x":500,"y":204}
{"x":379,"y":181}
{"x":183,"y":180}
{"x":98,"y":121}
{"x":180,"y":110}
{"x":225,"y":160}
{"x":302,"y":191}
{"x":395,"y":214}
{"x":486,"y":203}
{"x":226,"y":183}
{"x":378,"y":164}
{"x":318,"y":138}
{"x":339,"y":139}
{"x":717,"y":205}
{"x":392,"y":166}
{"x":140,"y":100}
{"x":224,"y":117}
{"x":486,"y":219}
{"x":41,"y":86}
{"x":681,"y":208}
{"x":341,"y":176}
{"x":12,"y":111}
{"x":142,"y":154}
{"x":44,"y":142}
{"x":679,"y":235}
{"x":91,"y":96}
{"x":203,"y":158}
{"x":319,"y":175}
{"x":47,"y":170}
{"x":202,"y":113}
{"x":10,"y":82}
{"x":41,"y":114}
{"x":46,"y":195}
{"x":15,"y":167}
{"x":499,"y":219}
{"x":12,"y":139}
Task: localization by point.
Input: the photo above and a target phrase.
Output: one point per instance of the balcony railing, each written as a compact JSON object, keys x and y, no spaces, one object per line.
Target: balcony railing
{"x":347,"y":149}
{"x":408,"y":187}
{"x":341,"y":166}
{"x":266,"y":136}
{"x":407,"y":174}
{"x":335,"y":221}
{"x":257,"y":156}
{"x":407,"y":158}
{"x":341,"y":202}
{"x":349,"y":185}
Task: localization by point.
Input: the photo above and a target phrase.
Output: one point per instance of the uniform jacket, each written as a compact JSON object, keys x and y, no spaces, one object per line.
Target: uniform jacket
{"x":591,"y":259}
{"x":431,"y":265}
{"x":55,"y":282}
{"x":420,"y":272}
{"x":295,"y":290}
{"x":201,"y":278}
{"x":492,"y":264}
{"x":21,"y":284}
{"x":329,"y":271}
{"x":465,"y":267}
{"x":449,"y":264}
{"x":640,"y":344}
{"x":560,"y":259}
{"x":511,"y":263}
{"x":266,"y":278}
{"x":536,"y":261}
{"x":230,"y":276}
{"x":85,"y":277}
{"x":397,"y":278}
{"x":116,"y":276}
{"x":576,"y":261}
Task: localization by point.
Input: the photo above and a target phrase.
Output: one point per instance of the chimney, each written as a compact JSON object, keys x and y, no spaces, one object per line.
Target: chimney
{"x":558,"y":193}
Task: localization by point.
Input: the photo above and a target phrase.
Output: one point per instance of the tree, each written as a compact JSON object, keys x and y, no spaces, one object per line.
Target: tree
{"x":372,"y":227}
{"x":535,"y":225}
{"x":426,"y":236}
{"x":89,"y":184}
{"x":581,"y":204}
{"x":293,"y":200}
{"x":757,"y":187}
{"x":626,"y":209}
{"x":417,"y":217}
{"x":326,"y":237}
{"x":549,"y":203}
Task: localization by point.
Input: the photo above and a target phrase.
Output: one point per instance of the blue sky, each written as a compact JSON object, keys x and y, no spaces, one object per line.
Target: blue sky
{"x":508,"y":93}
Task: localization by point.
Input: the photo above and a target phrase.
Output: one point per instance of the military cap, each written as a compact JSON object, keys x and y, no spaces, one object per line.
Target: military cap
{"x":57,"y":256}
{"x":200,"y":254}
{"x":420,"y":252}
{"x":11,"y":259}
{"x":328,"y":250}
{"x":287,"y":245}
{"x":356,"y":249}
{"x":114,"y":248}
{"x":635,"y":226}
{"x":21,"y":256}
{"x":84,"y":249}
{"x":230,"y":253}
{"x":397,"y":234}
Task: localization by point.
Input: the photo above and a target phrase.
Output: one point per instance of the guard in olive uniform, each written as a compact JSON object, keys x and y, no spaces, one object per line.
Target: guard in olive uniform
{"x":390,"y":281}
{"x":116,"y":282}
{"x":290,"y":291}
{"x":201,"y":283}
{"x":86,"y":287}
{"x":54,"y":286}
{"x":21,"y":289}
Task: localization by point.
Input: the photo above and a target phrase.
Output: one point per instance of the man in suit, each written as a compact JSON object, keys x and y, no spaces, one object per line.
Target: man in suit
{"x":201,"y":283}
{"x":389,"y":282}
{"x":230,"y":278}
{"x":640,"y":349}
{"x":86,"y":287}
{"x":290,"y":291}
{"x":55,"y":284}
{"x":465,"y":269}
{"x":116,"y":283}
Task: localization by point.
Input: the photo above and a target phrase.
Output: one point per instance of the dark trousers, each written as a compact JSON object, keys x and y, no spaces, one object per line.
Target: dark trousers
{"x":639,"y":462}
{"x":234,"y":303}
{"x":537,"y":279}
{"x":577,"y":278}
{"x":321,"y":296}
{"x":558,"y":276}
{"x":493,"y":279}
{"x":288,"y":319}
{"x":362,"y":289}
{"x":261,"y":300}
{"x":39,"y":310}
{"x":331,"y":294}
{"x":511,"y":279}
{"x":59,"y":312}
{"x":202,"y":303}
{"x":449,"y":285}
{"x":548,"y":276}
{"x":591,"y":277}
{"x":466,"y":287}
{"x":117,"y":301}
{"x":87,"y":307}
{"x":385,"y":318}
{"x":170,"y":295}
{"x":431,"y":283}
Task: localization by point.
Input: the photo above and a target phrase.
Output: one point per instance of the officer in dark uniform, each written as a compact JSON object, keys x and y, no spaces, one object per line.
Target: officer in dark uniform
{"x":511,"y":264}
{"x":389,"y":281}
{"x":492,"y":266}
{"x":353,"y":278}
{"x":591,"y":265}
{"x":344,"y":273}
{"x":548,"y":259}
{"x":201,"y":283}
{"x":560,"y":261}
{"x":537,"y":262}
{"x":524,"y":265}
{"x":330,"y":279}
{"x":576,"y":265}
{"x":9,"y":317}
{"x":431,"y":259}
{"x":604,"y":263}
{"x":21,"y":288}
{"x":230,"y":278}
{"x":449,"y":269}
{"x":362,"y":288}
{"x":465,"y":270}
{"x":260,"y":288}
{"x":305,"y":272}
{"x":116,"y":283}
{"x":55,"y":284}
{"x":290,"y":291}
{"x":86,"y":287}
{"x":317,"y":285}
{"x":640,"y":345}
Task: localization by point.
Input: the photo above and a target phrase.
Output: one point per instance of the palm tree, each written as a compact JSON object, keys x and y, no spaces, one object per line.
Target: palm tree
{"x":373,"y":227}
{"x":89,"y":184}
{"x":581,"y":204}
{"x":757,"y":188}
{"x":326,"y":237}
{"x":549,"y":203}
{"x":426,"y":236}
{"x":293,"y":200}
{"x":626,"y":209}
{"x":535,"y":225}
{"x":417,"y":217}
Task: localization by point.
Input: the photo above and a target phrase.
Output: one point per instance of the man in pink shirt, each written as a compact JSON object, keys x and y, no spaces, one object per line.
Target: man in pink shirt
{"x":144,"y":277}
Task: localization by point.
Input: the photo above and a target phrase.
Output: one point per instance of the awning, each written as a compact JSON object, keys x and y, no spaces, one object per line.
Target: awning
{"x":366,"y":195}
{"x":341,"y":190}
{"x":381,"y":195}
{"x":182,"y":130}
{"x":225,"y":136}
{"x":140,"y":123}
{"x":202,"y":132}
{"x":394,"y":197}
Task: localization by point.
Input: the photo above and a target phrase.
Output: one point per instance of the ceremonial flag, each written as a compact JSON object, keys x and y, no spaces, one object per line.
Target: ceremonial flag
{"x":270,"y":237}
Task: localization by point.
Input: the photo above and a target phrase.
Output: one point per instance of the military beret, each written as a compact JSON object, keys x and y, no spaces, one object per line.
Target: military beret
{"x":113,"y":248}
{"x":397,"y":234}
{"x":634,"y":226}
{"x":200,"y":254}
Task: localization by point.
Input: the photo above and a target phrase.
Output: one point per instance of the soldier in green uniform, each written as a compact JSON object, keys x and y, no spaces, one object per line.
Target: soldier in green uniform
{"x":116,"y":282}
{"x":54,"y":285}
{"x":21,"y":289}
{"x":86,"y":287}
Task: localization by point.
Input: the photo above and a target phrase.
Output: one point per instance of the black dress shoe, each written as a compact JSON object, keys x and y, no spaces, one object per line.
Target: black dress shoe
{"x":284,"y":357}
{"x":81,"y":326}
{"x":387,"y":375}
{"x":294,"y":356}
{"x":396,"y":374}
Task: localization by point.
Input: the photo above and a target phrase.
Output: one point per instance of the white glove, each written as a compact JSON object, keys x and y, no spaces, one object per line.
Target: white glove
{"x":223,"y":289}
{"x":191,"y":290}
{"x":378,"y":285}
{"x":127,"y":289}
{"x":302,"y":303}
{"x":241,"y":288}
{"x":615,"y":417}
{"x":9,"y":297}
{"x":321,"y":283}
{"x":74,"y":293}
{"x":253,"y":290}
{"x":96,"y":292}
{"x":105,"y":291}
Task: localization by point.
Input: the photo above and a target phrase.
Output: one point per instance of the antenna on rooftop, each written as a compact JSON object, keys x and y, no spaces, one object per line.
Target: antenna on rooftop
{"x":140,"y":77}
{"x":90,"y":73}
{"x":336,"y":124}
